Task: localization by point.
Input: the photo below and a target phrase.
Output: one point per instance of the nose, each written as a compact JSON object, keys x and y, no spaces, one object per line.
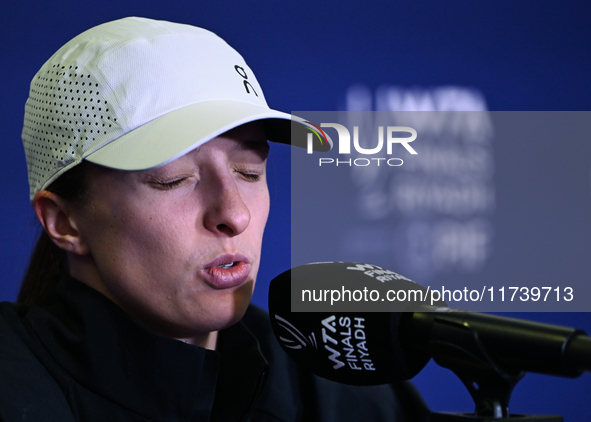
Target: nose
{"x":227,"y":212}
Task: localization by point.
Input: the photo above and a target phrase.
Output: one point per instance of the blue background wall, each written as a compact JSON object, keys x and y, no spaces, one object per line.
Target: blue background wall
{"x":526,"y":55}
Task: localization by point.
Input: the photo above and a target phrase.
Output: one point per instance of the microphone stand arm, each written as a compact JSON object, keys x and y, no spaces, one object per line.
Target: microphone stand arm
{"x":457,"y":344}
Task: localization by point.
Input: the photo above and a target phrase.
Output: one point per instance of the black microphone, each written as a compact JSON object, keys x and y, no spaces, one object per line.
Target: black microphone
{"x":369,"y":348}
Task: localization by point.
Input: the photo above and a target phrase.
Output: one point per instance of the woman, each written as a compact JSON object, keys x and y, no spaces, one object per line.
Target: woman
{"x":146,"y":145}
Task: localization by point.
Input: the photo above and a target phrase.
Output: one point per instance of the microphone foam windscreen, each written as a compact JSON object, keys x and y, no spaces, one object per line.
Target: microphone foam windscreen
{"x":359,"y":348}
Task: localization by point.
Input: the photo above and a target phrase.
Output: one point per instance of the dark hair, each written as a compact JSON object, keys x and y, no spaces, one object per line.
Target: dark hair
{"x":48,"y":262}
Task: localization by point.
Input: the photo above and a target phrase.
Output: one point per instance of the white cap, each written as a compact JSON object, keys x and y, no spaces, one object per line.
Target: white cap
{"x":135,"y":94}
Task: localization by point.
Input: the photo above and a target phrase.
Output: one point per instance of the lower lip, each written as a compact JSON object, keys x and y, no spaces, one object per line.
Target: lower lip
{"x":226,"y":278}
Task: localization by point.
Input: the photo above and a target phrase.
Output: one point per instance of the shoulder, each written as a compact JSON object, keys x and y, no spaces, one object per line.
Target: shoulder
{"x":27,"y":390}
{"x":294,"y":394}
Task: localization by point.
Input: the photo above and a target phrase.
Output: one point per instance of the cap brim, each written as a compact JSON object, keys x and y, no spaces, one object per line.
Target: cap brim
{"x":174,"y":134}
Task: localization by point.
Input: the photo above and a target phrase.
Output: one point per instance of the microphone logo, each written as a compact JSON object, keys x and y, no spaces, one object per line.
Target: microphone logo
{"x":295,"y":339}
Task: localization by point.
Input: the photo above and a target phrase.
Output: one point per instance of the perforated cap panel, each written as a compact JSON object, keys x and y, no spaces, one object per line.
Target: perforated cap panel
{"x":65,"y":117}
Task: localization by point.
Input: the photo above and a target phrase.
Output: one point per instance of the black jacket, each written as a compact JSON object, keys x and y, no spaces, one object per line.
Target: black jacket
{"x":79,"y":357}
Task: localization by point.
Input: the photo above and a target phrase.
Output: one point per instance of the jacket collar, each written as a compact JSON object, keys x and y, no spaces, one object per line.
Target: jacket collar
{"x":108,"y":353}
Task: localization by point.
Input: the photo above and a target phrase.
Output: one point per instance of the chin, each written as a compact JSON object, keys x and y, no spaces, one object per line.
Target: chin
{"x":223,"y":312}
{"x":230,"y":315}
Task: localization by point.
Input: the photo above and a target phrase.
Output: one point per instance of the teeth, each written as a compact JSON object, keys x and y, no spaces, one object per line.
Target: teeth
{"x":226,"y":266}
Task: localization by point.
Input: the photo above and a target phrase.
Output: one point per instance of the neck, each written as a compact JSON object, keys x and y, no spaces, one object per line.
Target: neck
{"x":207,"y":341}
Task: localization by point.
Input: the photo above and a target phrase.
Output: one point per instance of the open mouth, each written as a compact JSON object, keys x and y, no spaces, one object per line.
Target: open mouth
{"x":227,"y":271}
{"x":227,"y":261}
{"x":226,"y":266}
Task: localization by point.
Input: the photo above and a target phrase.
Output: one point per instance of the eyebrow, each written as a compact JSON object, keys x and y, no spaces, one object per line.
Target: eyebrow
{"x":261,"y":147}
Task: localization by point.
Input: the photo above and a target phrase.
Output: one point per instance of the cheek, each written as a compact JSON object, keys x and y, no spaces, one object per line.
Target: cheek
{"x":125,"y":240}
{"x":259,"y":215}
{"x":259,"y":210}
{"x":261,"y":203}
{"x":157,"y":236}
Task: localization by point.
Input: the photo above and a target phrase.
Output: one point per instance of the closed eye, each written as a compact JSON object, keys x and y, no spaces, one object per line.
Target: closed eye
{"x":168,"y":184}
{"x":251,"y":177}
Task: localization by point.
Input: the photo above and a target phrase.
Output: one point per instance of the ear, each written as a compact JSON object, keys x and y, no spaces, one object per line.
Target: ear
{"x":55,"y":216}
